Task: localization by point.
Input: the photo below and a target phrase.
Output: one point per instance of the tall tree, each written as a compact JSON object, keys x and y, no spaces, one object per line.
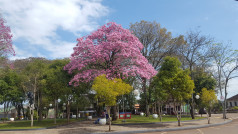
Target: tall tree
{"x":5,"y":39}
{"x":35,"y":71}
{"x":196,"y":52}
{"x":111,"y":50}
{"x":226,"y":62}
{"x":159,"y":94}
{"x":10,"y":89}
{"x":158,"y":43}
{"x":175,"y":82}
{"x":107,"y":91}
{"x":57,"y":81}
{"x":202,"y":80}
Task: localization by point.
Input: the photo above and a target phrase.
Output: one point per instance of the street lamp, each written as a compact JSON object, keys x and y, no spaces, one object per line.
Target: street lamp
{"x":197,"y":96}
{"x":57,"y":109}
{"x":64,"y":108}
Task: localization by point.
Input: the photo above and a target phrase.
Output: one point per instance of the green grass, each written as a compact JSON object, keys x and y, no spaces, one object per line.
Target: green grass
{"x":150,"y":119}
{"x":37,"y":124}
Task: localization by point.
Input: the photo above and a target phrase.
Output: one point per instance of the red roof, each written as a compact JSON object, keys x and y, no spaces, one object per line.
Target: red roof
{"x":235,"y":97}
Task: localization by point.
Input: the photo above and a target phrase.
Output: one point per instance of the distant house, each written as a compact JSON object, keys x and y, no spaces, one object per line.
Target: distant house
{"x":233,"y":101}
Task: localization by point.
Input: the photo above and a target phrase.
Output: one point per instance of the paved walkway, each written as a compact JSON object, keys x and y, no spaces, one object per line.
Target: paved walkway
{"x":89,"y":127}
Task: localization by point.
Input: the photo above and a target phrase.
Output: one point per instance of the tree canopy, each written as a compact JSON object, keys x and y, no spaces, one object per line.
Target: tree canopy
{"x":108,"y":90}
{"x":5,"y":39}
{"x":111,"y":50}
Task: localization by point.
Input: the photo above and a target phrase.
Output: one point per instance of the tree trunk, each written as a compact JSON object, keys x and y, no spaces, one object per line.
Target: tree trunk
{"x":23,"y":111}
{"x":224,"y":109}
{"x":180,"y":113}
{"x":147,"y":111}
{"x":153,"y":109}
{"x":55,"y":112}
{"x":68,"y":111}
{"x":77,"y":113}
{"x":192,"y":111}
{"x":18,"y":111}
{"x":114,"y":117}
{"x":32,"y":113}
{"x":109,"y":117}
{"x":40,"y":106}
{"x":159,"y":112}
{"x":177,"y":115}
{"x":208,"y":118}
{"x":4,"y":112}
{"x":209,"y":112}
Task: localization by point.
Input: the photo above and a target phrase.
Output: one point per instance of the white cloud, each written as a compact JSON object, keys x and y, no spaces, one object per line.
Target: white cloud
{"x":38,"y":20}
{"x":22,"y":54}
{"x":232,"y":87}
{"x":64,"y":49}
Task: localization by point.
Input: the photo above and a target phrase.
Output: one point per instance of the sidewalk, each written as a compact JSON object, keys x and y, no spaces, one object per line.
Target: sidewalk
{"x":89,"y":127}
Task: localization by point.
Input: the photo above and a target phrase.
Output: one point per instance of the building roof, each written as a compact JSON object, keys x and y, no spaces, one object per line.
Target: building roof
{"x":235,"y":97}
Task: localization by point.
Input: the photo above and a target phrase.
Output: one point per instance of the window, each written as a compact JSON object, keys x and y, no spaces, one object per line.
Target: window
{"x":235,"y":103}
{"x":231,"y":104}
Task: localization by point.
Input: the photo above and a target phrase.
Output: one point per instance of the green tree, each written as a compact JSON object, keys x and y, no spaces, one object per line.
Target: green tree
{"x":202,"y":80}
{"x":35,"y":70}
{"x":56,"y":82}
{"x":159,"y":94}
{"x":195,"y":52}
{"x":209,"y":99}
{"x":158,"y":43}
{"x":175,"y":82}
{"x":107,"y":91}
{"x":82,"y":97}
{"x":10,"y":89}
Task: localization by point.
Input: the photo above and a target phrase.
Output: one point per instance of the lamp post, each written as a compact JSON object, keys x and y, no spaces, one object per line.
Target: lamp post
{"x":64,"y":108}
{"x":57,"y":109}
{"x":196,"y":97}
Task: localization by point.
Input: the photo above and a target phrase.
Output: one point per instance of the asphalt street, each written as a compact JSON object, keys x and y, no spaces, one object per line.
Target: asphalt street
{"x":230,"y":128}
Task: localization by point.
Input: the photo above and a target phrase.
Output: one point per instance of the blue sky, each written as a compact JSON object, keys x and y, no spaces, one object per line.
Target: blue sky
{"x":49,"y":28}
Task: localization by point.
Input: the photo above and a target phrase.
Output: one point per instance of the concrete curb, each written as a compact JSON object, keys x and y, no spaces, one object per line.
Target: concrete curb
{"x":166,"y":129}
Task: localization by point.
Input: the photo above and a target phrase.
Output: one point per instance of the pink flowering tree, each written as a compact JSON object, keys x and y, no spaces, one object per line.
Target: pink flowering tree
{"x":111,"y":50}
{"x":5,"y":39}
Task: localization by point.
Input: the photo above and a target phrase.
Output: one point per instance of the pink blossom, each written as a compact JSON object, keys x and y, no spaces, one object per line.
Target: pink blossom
{"x":5,"y":39}
{"x":111,"y":50}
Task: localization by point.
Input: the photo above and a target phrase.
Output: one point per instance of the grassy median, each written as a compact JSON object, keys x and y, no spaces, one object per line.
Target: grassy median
{"x":37,"y":124}
{"x":150,"y":119}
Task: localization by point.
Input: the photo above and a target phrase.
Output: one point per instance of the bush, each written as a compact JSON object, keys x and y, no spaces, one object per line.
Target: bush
{"x":235,"y":108}
{"x":4,"y":119}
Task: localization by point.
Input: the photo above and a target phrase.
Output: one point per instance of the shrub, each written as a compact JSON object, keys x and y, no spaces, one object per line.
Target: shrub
{"x":4,"y":119}
{"x":235,"y":108}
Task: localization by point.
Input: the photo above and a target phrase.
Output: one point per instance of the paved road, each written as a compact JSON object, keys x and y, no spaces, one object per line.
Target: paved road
{"x":230,"y":128}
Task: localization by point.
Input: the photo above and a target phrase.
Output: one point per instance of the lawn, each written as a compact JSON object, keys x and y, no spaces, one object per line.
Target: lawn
{"x":37,"y":124}
{"x":150,"y":119}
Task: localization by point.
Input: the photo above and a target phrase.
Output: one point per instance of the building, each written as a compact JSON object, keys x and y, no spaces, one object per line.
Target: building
{"x":233,"y":101}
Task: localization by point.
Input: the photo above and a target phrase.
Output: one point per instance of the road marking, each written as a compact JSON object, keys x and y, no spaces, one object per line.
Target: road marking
{"x":200,"y":131}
